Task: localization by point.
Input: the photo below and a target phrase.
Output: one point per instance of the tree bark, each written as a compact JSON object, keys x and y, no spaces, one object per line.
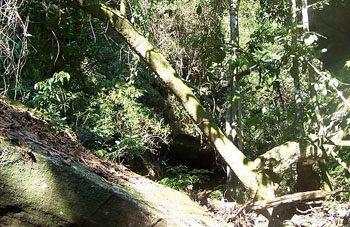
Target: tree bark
{"x":314,"y":100}
{"x":311,"y":73}
{"x":234,"y":114}
{"x":304,"y":170}
{"x":123,"y":7}
{"x":295,"y":73}
{"x":281,"y":158}
{"x":256,"y":183}
{"x":296,"y":197}
{"x":233,"y":124}
{"x":48,"y":192}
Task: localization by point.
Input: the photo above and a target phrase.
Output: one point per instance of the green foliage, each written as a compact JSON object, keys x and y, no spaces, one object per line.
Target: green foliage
{"x":52,"y":99}
{"x":13,"y":46}
{"x":190,"y":34}
{"x":181,"y":121}
{"x":120,"y":124}
{"x":82,"y":79}
{"x":341,"y":176}
{"x":347,"y":64}
{"x":216,"y":194}
{"x":269,"y":108}
{"x":342,"y":181}
{"x":183,"y":179}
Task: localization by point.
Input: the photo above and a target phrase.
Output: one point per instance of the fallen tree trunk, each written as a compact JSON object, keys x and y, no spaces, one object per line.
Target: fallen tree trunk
{"x":296,"y":197}
{"x":279,"y":159}
{"x":49,"y":179}
{"x":256,"y":182}
{"x":50,"y":192}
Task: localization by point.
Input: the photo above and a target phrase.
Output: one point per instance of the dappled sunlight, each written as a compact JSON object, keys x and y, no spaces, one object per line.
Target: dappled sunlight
{"x":225,"y":101}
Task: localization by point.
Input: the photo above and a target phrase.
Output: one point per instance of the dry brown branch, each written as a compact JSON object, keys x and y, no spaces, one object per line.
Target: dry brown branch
{"x":13,"y":43}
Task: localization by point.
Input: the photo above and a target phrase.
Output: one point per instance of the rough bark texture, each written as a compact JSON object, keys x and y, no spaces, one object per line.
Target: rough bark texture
{"x":255,"y":182}
{"x":297,"y":197}
{"x":277,"y":160}
{"x":233,"y":124}
{"x":123,"y":7}
{"x":50,"y":193}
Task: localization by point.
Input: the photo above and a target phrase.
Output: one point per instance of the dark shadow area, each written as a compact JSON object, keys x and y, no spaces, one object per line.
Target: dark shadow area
{"x":332,"y":22}
{"x":9,"y":209}
{"x":188,"y":150}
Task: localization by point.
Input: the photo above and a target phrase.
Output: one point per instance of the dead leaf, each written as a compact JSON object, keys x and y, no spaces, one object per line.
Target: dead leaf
{"x":66,"y":161}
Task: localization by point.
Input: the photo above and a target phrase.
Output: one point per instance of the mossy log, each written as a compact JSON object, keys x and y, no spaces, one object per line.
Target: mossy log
{"x":48,"y":192}
{"x":279,"y":159}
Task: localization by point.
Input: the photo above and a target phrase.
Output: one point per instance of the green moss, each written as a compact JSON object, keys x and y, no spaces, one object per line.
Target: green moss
{"x":52,"y":194}
{"x":13,"y":102}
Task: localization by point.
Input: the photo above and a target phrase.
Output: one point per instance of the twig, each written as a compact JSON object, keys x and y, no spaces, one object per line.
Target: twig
{"x":42,"y":144}
{"x":92,"y":29}
{"x":156,"y":222}
{"x":238,"y":212}
{"x":339,"y":93}
{"x":58,"y":47}
{"x":339,"y":160}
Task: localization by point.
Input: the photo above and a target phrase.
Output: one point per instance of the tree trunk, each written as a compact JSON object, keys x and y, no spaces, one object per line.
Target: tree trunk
{"x":311,"y":73}
{"x":49,"y":179}
{"x":50,"y":193}
{"x":233,"y":124}
{"x":234,"y":114}
{"x":302,"y":169}
{"x":314,"y":100}
{"x":295,"y":73}
{"x":123,"y":7}
{"x":255,"y":182}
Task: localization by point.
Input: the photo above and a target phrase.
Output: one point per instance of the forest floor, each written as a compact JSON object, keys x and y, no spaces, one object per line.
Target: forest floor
{"x":322,"y":213}
{"x":23,"y":128}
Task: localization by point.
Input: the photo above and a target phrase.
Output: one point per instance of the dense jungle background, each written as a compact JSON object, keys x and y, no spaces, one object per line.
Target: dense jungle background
{"x":268,"y":73}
